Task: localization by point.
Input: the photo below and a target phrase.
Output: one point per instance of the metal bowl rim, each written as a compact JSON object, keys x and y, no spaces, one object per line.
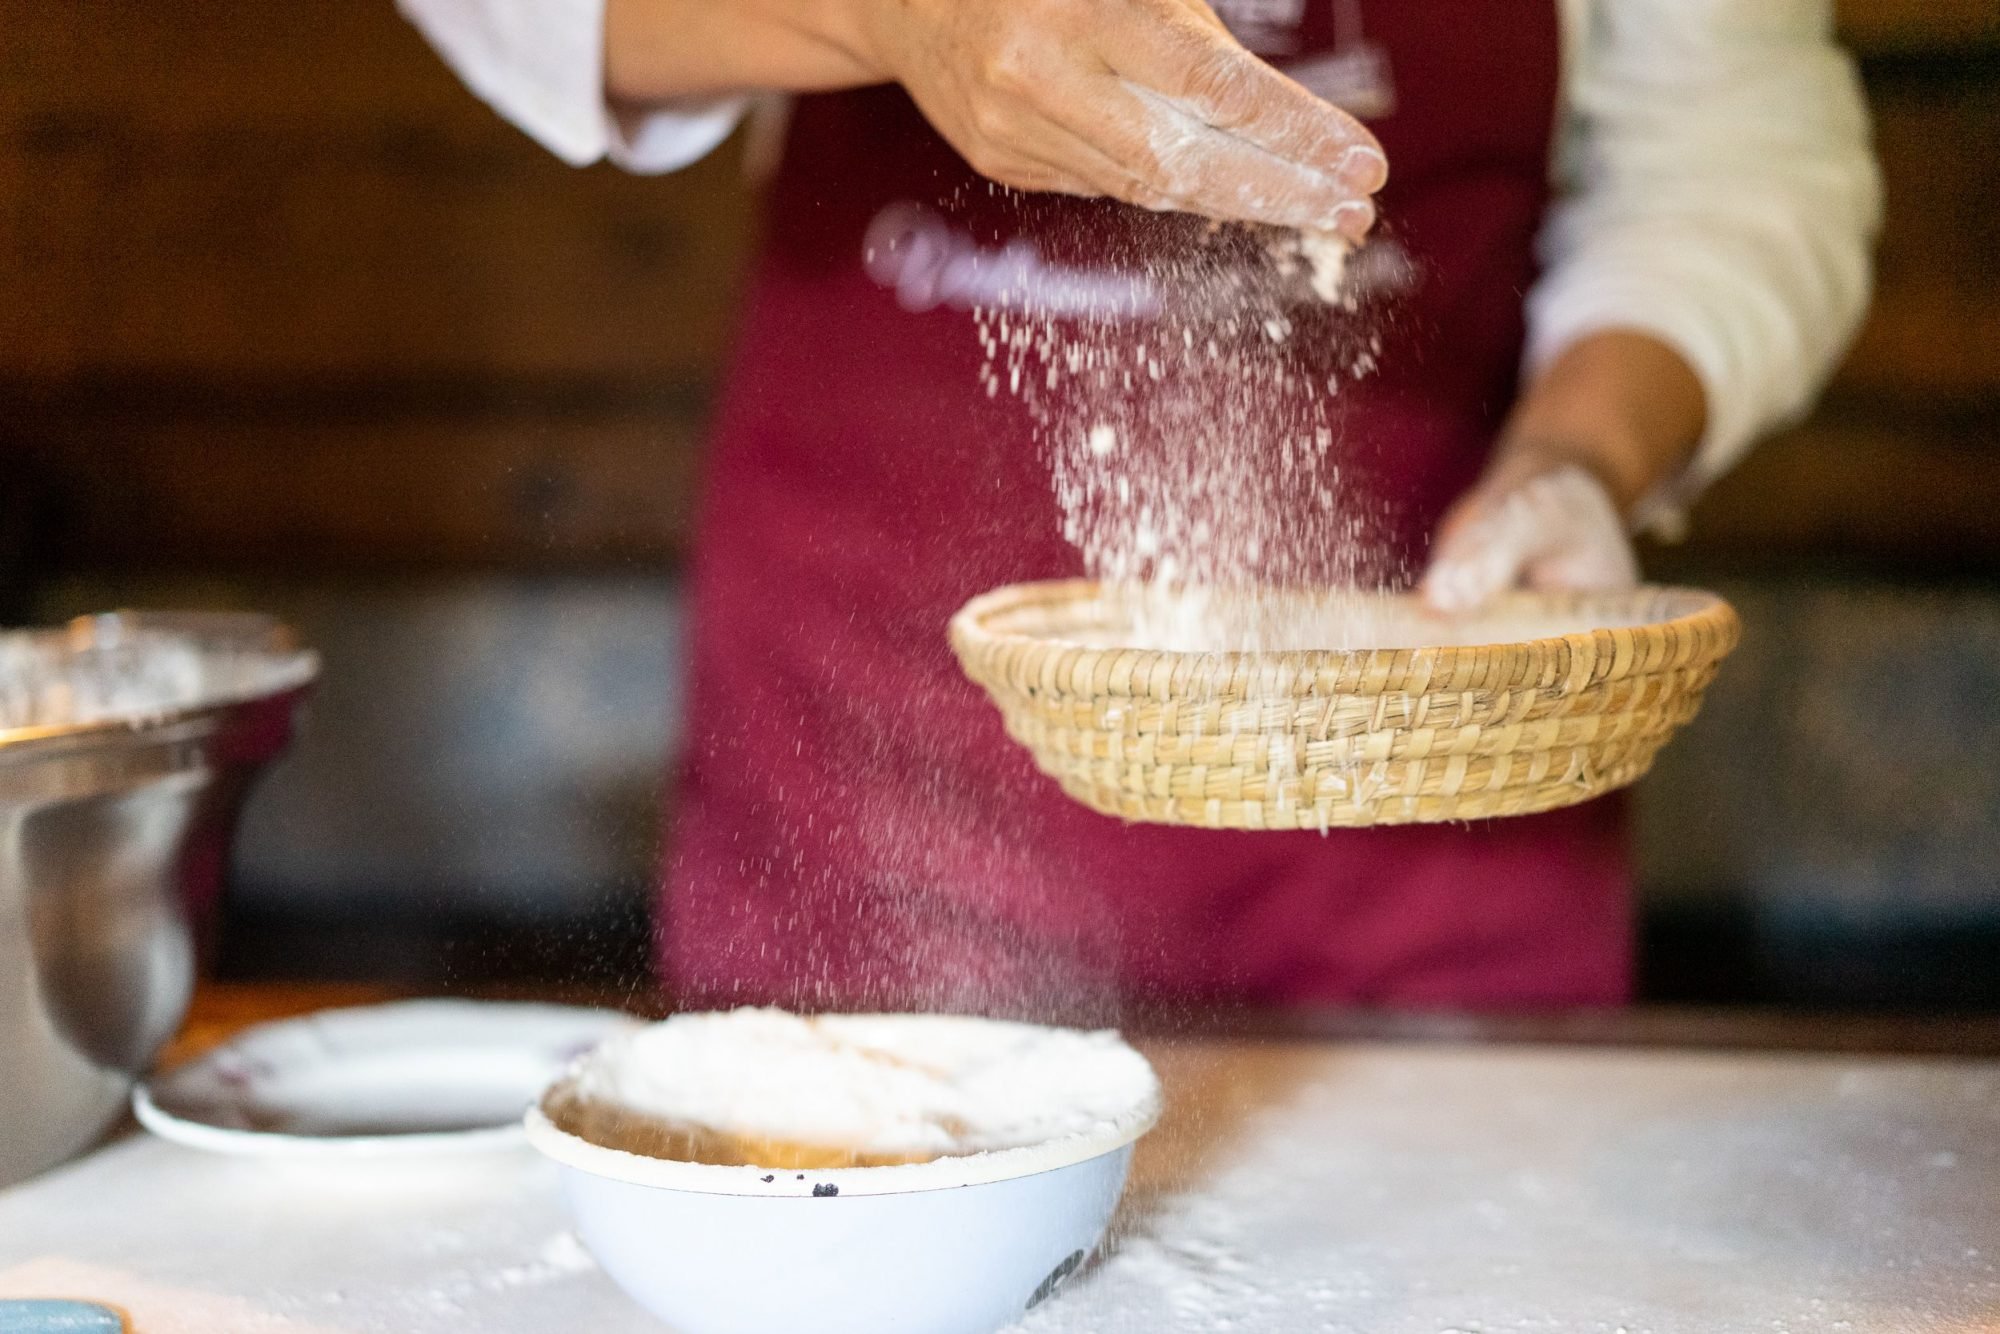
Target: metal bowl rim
{"x":292,"y":671}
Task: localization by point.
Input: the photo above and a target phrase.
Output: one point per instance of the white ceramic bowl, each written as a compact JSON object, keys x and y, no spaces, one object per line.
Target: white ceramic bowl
{"x":960,"y":1245}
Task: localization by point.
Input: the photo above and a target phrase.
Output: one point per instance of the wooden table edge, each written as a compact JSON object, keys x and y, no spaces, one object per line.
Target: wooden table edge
{"x":221,"y":1009}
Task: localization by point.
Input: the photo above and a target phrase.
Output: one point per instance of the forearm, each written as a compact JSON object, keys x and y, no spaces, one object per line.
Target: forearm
{"x":658,"y":51}
{"x":1621,"y":405}
{"x":1716,"y":190}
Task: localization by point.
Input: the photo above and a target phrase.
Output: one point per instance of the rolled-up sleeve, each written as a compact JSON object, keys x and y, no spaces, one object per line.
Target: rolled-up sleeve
{"x":1717,"y":189}
{"x":540,"y":64}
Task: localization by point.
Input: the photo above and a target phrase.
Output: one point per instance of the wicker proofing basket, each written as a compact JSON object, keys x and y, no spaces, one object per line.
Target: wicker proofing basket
{"x":1318,"y":740}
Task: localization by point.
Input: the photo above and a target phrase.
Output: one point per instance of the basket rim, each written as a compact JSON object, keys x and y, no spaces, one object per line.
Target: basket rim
{"x":1052,"y":691}
{"x":970,"y":631}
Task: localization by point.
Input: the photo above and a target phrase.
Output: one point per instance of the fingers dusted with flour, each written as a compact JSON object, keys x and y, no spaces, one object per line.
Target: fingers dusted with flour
{"x":1226,"y":117}
{"x":1557,"y":530}
{"x":1147,"y":101}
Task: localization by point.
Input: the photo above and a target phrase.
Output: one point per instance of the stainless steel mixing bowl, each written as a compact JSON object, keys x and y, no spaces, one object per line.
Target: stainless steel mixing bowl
{"x":128,"y":743}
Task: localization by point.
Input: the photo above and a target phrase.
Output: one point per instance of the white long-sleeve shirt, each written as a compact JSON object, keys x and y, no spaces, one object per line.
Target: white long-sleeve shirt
{"x":1716,"y":187}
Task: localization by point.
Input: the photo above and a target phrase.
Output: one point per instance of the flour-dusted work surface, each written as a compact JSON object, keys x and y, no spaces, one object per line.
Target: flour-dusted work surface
{"x":1389,"y":1190}
{"x":1327,"y":1189}
{"x":187,"y":1242}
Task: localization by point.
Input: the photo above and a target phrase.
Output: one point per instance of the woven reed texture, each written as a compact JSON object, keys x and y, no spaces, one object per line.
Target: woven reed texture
{"x":1343,"y":739}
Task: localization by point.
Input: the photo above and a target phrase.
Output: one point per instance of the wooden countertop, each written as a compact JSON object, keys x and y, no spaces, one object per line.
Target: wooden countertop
{"x":221,"y":1009}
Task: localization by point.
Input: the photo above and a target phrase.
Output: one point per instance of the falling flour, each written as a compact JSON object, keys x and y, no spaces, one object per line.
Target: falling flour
{"x":1325,"y":255}
{"x":773,"y":1089}
{"x":1194,"y":434}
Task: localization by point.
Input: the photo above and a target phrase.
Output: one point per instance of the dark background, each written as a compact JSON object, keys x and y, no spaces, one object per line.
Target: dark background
{"x":289,"y":321}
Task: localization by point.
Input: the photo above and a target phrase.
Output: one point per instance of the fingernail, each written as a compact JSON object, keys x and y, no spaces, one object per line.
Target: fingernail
{"x":1354,"y":221}
{"x":1362,"y":170}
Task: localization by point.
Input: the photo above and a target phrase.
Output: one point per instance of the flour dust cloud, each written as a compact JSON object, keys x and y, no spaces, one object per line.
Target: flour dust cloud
{"x":1192,"y":427}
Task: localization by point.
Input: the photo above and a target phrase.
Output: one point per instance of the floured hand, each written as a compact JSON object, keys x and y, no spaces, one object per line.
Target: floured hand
{"x":1554,"y":530}
{"x":1148,"y":101}
{"x":1605,"y":424}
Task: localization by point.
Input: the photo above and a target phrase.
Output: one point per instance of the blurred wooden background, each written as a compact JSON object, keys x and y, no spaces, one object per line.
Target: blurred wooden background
{"x":290,"y":321}
{"x":280,"y":295}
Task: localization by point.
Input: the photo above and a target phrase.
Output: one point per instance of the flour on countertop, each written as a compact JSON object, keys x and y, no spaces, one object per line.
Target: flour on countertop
{"x":1297,"y":1189}
{"x":1546,"y":1191}
{"x":561,"y":1256}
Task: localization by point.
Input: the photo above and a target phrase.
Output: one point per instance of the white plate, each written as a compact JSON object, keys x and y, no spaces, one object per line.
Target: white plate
{"x":412,"y":1077}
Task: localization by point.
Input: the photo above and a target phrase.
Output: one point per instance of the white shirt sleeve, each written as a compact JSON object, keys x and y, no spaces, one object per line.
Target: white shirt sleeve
{"x":540,"y":64}
{"x":1716,"y":189}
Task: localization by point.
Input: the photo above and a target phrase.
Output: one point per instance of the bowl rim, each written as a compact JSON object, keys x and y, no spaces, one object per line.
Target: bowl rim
{"x":1107,"y":1135}
{"x":970,"y":627}
{"x":291,"y":671}
{"x":949,"y":1173}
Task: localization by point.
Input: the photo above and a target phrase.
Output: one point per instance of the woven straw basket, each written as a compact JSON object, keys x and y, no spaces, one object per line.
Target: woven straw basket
{"x":1329,"y":739}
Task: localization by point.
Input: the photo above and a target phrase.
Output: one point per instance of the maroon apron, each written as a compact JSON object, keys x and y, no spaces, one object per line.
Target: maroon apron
{"x":852,"y":826}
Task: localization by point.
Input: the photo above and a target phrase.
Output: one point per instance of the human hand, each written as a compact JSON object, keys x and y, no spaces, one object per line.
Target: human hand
{"x":1550,"y":530}
{"x":1147,"y":101}
{"x":1604,"y":425}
